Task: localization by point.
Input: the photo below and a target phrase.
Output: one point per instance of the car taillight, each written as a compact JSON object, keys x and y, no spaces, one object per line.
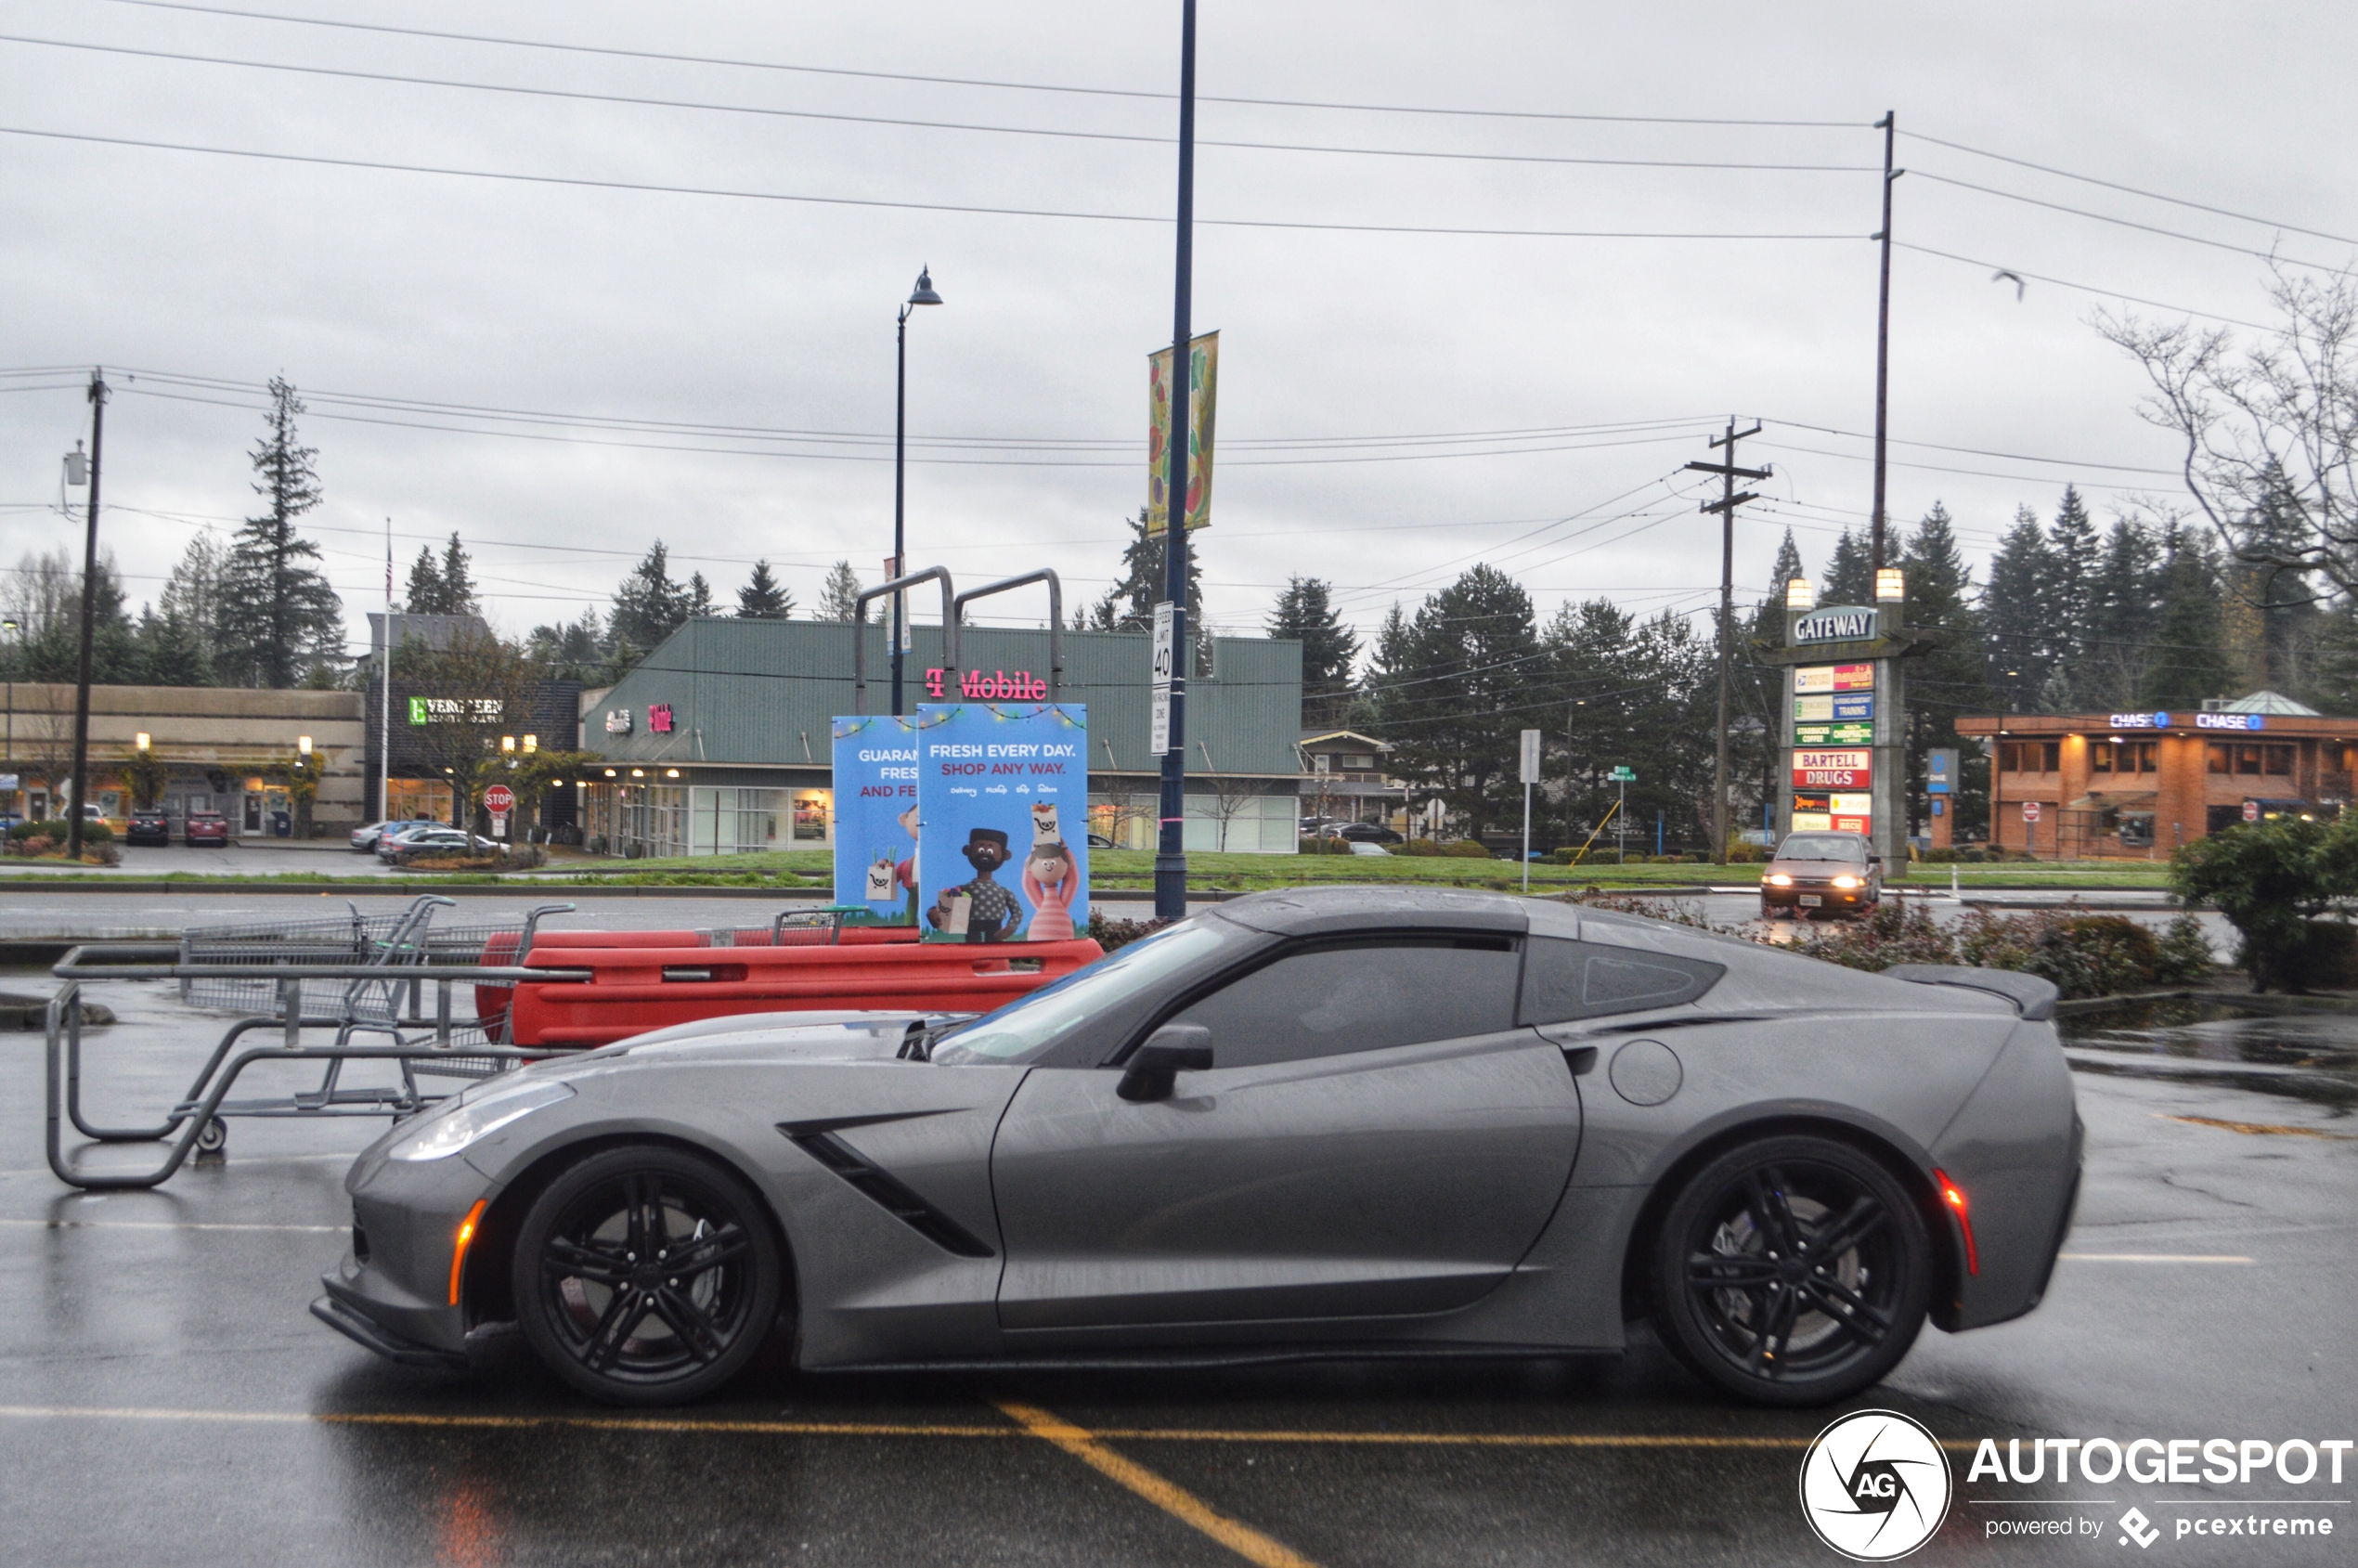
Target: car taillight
{"x":1954,"y":1196}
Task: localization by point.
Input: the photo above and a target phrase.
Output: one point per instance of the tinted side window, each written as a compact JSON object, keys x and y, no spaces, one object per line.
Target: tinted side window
{"x":1562,"y":980}
{"x":1329,"y":1000}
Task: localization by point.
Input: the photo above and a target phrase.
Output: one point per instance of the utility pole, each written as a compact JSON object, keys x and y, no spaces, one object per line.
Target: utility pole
{"x":1887,"y":126}
{"x":89,"y":613}
{"x":1726,"y":507}
{"x":1171,"y":850}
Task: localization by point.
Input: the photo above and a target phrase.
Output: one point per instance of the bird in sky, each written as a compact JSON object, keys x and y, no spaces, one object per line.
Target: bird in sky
{"x":2015,"y":278}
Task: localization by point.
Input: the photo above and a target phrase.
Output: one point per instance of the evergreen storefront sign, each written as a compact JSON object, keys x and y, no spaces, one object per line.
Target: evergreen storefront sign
{"x":456,"y":710}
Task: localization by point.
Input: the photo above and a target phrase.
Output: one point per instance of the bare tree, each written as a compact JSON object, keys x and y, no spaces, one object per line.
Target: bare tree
{"x":2270,"y":430}
{"x":464,"y":699}
{"x":1231,"y":796}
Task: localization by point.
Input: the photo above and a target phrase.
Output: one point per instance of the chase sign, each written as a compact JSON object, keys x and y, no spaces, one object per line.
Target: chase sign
{"x":1838,"y":623}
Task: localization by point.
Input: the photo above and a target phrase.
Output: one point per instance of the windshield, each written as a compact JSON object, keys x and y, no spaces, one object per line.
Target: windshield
{"x":1823,"y":847}
{"x":1029,"y":1026}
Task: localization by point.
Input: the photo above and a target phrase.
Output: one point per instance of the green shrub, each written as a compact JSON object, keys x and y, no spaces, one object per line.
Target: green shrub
{"x":1314,"y":845}
{"x":1111,"y":934}
{"x":54,"y":830}
{"x":2274,"y":881}
{"x":1467,"y":849}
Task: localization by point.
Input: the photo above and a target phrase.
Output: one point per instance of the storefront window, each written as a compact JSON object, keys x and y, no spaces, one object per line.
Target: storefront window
{"x":2219,"y":757}
{"x":813,"y":814}
{"x":2279,"y":760}
{"x":2009,"y":757}
{"x":2100,"y":759}
{"x":2050,"y":757}
{"x":412,"y":800}
{"x":2247,"y":759}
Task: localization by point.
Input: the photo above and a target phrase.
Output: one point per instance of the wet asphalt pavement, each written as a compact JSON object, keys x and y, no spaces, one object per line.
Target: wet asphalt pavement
{"x":164,"y":1396}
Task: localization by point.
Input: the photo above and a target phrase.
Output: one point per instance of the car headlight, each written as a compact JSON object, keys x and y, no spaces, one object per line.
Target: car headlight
{"x":1780,"y":880}
{"x":445,"y":1132}
{"x":1847,"y":882}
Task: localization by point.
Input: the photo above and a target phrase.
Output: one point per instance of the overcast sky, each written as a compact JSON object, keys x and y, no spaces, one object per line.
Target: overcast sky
{"x":671,"y":316}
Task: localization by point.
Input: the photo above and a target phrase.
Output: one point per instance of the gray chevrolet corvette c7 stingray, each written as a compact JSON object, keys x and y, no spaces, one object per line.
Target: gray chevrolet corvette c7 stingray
{"x":1347,"y":1123}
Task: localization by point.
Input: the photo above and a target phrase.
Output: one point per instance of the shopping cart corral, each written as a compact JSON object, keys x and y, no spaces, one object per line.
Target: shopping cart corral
{"x":330,"y":993}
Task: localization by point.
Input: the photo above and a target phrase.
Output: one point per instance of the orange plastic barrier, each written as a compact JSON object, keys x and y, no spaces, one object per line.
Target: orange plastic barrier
{"x":660,"y":979}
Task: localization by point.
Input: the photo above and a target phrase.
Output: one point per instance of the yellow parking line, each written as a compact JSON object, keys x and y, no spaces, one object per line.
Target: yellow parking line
{"x":723,"y":1426}
{"x":1176,"y":1502}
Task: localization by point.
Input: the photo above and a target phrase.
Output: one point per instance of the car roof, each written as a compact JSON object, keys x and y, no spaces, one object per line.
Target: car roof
{"x":1294,"y":912}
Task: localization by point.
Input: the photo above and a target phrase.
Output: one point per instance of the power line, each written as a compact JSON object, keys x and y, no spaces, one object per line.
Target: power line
{"x":2084,"y":288}
{"x":707,"y":106}
{"x":2128,"y":190}
{"x":2124,"y":223}
{"x":974,"y":81}
{"x":582,"y":182}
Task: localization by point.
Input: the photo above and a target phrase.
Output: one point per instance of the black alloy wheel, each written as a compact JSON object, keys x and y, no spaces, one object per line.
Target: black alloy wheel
{"x":1792,"y":1271}
{"x":646,"y":1276}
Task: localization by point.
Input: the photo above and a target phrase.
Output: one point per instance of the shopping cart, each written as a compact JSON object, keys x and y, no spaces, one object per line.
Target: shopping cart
{"x":363,"y":978}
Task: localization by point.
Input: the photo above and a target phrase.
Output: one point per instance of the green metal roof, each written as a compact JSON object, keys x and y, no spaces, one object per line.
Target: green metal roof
{"x":765,"y":693}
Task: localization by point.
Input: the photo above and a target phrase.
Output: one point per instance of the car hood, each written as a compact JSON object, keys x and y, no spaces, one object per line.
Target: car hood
{"x":767,"y":1037}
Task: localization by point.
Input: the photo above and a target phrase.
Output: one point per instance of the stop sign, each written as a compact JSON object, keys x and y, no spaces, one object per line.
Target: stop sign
{"x":2251,"y":811}
{"x":2030,"y":810}
{"x":500,"y":798}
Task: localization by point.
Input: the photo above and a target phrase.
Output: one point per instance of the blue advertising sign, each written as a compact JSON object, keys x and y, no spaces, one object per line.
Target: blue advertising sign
{"x":1852,"y":707}
{"x":1002,"y":790}
{"x":876,"y":782}
{"x":1941,"y":773}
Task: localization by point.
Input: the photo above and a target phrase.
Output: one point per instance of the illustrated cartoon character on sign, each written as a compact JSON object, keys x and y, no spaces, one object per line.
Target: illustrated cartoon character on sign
{"x":991,"y":910}
{"x":1052,"y":882}
{"x":906,"y":871}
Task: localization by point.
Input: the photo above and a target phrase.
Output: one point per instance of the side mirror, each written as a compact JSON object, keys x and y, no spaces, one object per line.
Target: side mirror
{"x":1154,"y":1067}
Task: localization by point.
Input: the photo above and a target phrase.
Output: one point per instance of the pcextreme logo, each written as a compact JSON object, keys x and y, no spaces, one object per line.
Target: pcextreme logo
{"x":1874,"y":1485}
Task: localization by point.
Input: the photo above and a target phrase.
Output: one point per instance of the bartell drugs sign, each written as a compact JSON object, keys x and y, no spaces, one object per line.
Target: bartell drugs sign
{"x":1844,"y":768}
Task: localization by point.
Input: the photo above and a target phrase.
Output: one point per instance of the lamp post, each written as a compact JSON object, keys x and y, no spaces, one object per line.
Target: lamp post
{"x":924,"y":294}
{"x":9,"y":767}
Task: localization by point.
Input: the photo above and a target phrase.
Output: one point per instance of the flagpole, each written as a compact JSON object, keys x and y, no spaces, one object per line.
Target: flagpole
{"x":384,"y":696}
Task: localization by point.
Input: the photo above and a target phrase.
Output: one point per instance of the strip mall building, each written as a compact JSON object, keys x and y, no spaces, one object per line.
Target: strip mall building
{"x":2136,"y":785}
{"x":721,"y":741}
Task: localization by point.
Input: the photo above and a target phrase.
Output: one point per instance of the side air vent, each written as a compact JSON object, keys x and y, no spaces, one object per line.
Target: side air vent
{"x":820,"y":1140}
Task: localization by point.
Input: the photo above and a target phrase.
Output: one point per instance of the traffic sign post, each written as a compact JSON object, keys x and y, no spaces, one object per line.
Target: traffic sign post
{"x":500,"y":800}
{"x":2251,"y":811}
{"x":1624,"y":777}
{"x":1530,"y":777}
{"x":2031,"y":826}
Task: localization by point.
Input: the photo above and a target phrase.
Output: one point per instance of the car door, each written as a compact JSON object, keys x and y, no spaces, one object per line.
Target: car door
{"x":1376,"y":1136}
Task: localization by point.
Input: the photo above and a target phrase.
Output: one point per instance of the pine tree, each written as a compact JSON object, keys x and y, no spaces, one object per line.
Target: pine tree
{"x":2072,"y":550}
{"x":278,"y":614}
{"x":572,"y":651}
{"x":1850,"y":575}
{"x":839,"y":595}
{"x":422,"y":596}
{"x":1952,"y":679}
{"x":1305,"y":612}
{"x":2189,"y":657}
{"x":762,"y":598}
{"x":458,"y":581}
{"x":1454,"y":705}
{"x":1129,"y":605}
{"x":648,"y":606}
{"x":1788,"y":567}
{"x":697,"y":601}
{"x":2124,"y":603}
{"x":2018,"y":630}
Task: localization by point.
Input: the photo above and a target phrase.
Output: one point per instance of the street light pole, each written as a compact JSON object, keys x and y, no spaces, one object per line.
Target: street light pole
{"x":1171,"y":849}
{"x":89,"y":613}
{"x":923,"y":294}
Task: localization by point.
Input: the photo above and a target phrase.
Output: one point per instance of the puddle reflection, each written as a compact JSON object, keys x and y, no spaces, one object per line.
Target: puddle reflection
{"x":2287,"y":1048}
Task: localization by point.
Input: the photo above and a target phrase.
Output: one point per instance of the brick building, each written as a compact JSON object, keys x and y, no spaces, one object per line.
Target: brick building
{"x":2136,"y":785}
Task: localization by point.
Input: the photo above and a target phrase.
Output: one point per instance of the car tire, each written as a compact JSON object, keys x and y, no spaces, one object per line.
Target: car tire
{"x":601,"y":1313}
{"x":1742,"y":1298}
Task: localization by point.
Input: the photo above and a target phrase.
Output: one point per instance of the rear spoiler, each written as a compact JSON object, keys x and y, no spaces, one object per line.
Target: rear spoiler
{"x":2033,"y":998}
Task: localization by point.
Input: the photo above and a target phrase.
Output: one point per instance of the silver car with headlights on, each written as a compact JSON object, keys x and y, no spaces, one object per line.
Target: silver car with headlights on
{"x":1345,"y":1123}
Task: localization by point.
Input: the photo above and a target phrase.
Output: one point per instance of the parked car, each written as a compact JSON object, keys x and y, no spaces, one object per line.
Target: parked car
{"x":364,"y":839}
{"x":389,"y":842}
{"x":206,"y":827}
{"x":1557,"y":1119}
{"x":149,"y":828}
{"x":440,"y":840}
{"x":1099,"y":841}
{"x":1362,"y":832}
{"x":1822,"y":874}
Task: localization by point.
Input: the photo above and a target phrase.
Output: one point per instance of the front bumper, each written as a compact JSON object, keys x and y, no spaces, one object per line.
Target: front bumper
{"x":393,"y":1291}
{"x":347,"y":1320}
{"x":1828,"y":896}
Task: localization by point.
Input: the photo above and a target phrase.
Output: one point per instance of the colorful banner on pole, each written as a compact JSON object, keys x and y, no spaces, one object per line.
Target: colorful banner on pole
{"x":1002,"y":790}
{"x":875,"y":784}
{"x":1203,"y":407}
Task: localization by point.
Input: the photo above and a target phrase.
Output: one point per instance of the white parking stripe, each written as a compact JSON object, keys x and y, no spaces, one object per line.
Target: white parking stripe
{"x":2153,"y":1257}
{"x":160,"y":1224}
